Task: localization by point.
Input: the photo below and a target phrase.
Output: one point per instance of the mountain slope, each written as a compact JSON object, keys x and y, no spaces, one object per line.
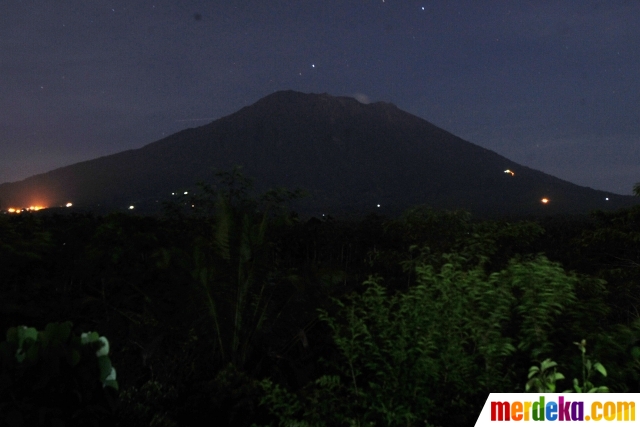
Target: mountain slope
{"x":350,"y":156}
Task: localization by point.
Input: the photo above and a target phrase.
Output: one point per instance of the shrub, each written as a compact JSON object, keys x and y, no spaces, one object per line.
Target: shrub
{"x":430,"y":354}
{"x":55,"y":377}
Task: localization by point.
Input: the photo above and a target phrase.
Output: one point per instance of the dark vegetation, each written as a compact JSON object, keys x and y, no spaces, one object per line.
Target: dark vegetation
{"x":231,"y":310}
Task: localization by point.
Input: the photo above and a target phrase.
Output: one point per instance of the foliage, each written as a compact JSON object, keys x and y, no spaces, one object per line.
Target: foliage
{"x":424,"y":235}
{"x":543,"y":379}
{"x":55,"y":376}
{"x":444,"y":343}
{"x":147,"y":405}
{"x":588,"y":368}
{"x":205,"y":301}
{"x":233,"y":273}
{"x":23,"y":244}
{"x":237,"y":189}
{"x":610,"y":248}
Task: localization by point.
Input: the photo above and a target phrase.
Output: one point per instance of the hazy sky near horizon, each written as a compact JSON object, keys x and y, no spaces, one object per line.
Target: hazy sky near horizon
{"x":550,"y":84}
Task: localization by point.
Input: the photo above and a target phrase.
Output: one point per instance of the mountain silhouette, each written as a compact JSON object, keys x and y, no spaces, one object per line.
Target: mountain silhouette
{"x":350,"y":156}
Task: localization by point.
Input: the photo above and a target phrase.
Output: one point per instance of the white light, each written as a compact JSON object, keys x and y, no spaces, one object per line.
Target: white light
{"x":131,"y":207}
{"x":378,"y":205}
{"x":313,"y":65}
{"x":186,"y":192}
{"x":69,"y":204}
{"x":173,"y":194}
{"x":606,"y":198}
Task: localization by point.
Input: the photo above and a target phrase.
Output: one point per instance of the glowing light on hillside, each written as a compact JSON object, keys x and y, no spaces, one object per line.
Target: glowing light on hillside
{"x":69,"y":204}
{"x":510,"y":172}
{"x":378,"y":205}
{"x":606,"y":198}
{"x":131,"y":207}
{"x":545,"y":201}
{"x":186,"y":192}
{"x":29,"y":209}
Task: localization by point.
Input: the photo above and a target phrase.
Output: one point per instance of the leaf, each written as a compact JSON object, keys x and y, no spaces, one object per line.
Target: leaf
{"x":112,"y":375}
{"x":25,"y":333}
{"x":32,"y":353}
{"x":89,"y":337}
{"x":104,"y":364}
{"x":548,"y":363}
{"x":111,"y":383}
{"x":598,"y":367}
{"x":576,"y":385}
{"x":104,"y":349}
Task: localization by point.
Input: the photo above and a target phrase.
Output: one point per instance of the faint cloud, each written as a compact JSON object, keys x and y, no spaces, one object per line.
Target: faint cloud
{"x":362,"y":98}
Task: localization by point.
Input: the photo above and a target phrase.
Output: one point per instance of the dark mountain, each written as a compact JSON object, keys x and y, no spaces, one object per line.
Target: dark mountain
{"x":350,"y":156}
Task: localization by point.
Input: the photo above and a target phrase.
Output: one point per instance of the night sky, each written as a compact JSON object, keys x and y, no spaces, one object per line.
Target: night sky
{"x":553,"y":85}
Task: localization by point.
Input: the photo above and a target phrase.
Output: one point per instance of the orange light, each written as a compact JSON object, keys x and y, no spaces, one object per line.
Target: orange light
{"x":30,"y":208}
{"x":545,"y":200}
{"x":510,"y":172}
